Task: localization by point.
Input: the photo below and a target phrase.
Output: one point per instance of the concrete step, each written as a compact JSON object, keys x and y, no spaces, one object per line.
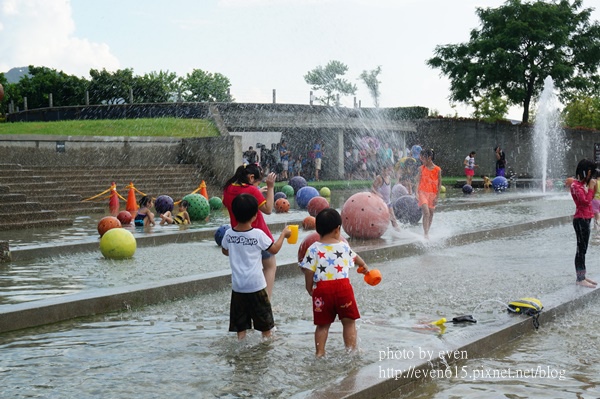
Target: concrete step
{"x":77,"y":211}
{"x":4,"y":189}
{"x":10,"y":208}
{"x":12,"y":198}
{"x":24,"y":179}
{"x":40,"y":214}
{"x":30,"y":224}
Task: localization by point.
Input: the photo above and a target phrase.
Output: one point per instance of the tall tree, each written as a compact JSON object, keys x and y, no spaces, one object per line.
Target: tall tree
{"x":110,"y":87}
{"x":155,"y":87}
{"x":517,"y":46}
{"x":583,"y":111}
{"x":202,"y":86}
{"x":370,"y":80}
{"x":329,"y":80}
{"x":40,"y":82}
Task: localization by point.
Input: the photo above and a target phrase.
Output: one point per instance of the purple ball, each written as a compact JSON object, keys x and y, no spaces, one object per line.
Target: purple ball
{"x":407,"y":210}
{"x":297,"y":182}
{"x":163,"y":203}
{"x":278,"y":195}
{"x":220,"y":233}
{"x":467,"y":189}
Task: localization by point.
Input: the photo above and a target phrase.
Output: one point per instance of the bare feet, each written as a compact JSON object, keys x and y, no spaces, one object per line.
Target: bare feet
{"x":589,"y":280}
{"x":585,"y":283}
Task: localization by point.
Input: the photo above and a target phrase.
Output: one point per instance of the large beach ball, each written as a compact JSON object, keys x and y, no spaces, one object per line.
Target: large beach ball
{"x":288,"y":190}
{"x":199,"y":208}
{"x":316,"y":205}
{"x":365,"y":215}
{"x":125,"y":218}
{"x":499,"y":183}
{"x":215,"y":203}
{"x":163,"y":203}
{"x":398,"y":191}
{"x":107,"y":223}
{"x":220,"y":233}
{"x":279,"y":195}
{"x":282,"y":205}
{"x":407,"y":210}
{"x":467,"y":189}
{"x":297,"y":182}
{"x":118,"y":244}
{"x":325,"y":191}
{"x":304,"y":195}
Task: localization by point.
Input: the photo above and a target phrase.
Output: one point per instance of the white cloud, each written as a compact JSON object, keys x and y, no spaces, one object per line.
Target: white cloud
{"x":41,"y":33}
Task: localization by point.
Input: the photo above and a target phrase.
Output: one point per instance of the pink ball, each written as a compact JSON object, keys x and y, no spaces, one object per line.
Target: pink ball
{"x":365,"y":215}
{"x":316,"y":205}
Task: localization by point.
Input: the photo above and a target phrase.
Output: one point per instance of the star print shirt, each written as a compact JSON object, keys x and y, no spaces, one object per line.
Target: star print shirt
{"x":329,"y":261}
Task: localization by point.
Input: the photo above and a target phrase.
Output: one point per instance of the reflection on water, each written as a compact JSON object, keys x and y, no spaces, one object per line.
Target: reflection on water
{"x":184,"y":347}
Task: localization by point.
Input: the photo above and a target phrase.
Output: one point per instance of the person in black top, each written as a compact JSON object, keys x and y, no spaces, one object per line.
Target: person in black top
{"x":500,"y":161}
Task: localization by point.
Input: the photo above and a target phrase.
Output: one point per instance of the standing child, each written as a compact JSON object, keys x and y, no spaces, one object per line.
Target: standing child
{"x":182,"y":217}
{"x":327,"y":264}
{"x":382,"y":187}
{"x":244,"y":244}
{"x":429,"y":182}
{"x":144,"y":216}
{"x":582,"y":191}
{"x":469,"y":163}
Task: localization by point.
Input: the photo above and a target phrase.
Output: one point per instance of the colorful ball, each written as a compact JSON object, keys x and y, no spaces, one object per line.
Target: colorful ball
{"x":467,"y":189}
{"x":282,"y":205}
{"x":215,"y":203}
{"x":163,"y":203}
{"x":107,"y":223}
{"x":559,"y":184}
{"x":316,"y":205}
{"x":220,"y":233}
{"x":442,"y":189}
{"x":398,"y":191}
{"x":568,"y":182}
{"x":125,"y":218}
{"x":288,"y":190}
{"x":297,"y":182}
{"x":325,"y":191}
{"x":304,"y":195}
{"x":309,"y":223}
{"x":118,"y":244}
{"x":365,"y":215}
{"x":407,"y":210}
{"x":199,"y":208}
{"x":499,"y":183}
{"x":307,"y":242}
{"x":549,"y":184}
{"x":278,"y":195}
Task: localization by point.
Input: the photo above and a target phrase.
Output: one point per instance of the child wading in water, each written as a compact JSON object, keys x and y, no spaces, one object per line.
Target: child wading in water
{"x":244,"y":244}
{"x":144,"y":216}
{"x":327,"y":264}
{"x":182,"y":217}
{"x":583,"y":189}
{"x":429,"y":182}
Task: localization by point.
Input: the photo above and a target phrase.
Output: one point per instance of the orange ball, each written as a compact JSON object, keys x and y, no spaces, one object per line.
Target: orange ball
{"x":282,"y":205}
{"x":316,"y":205}
{"x":108,"y":223}
{"x":568,"y":182}
{"x":125,"y":218}
{"x":309,"y":223}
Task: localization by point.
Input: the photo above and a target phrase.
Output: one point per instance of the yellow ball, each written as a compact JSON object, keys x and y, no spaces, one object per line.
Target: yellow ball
{"x":118,"y":243}
{"x":442,"y":189}
{"x":325,"y":192}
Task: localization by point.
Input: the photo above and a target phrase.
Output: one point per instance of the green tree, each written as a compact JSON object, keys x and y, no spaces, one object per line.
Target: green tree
{"x":370,"y":80}
{"x":517,"y":46}
{"x":110,"y":87}
{"x":4,"y":101}
{"x":583,"y":111}
{"x":201,"y":86}
{"x":41,"y":82}
{"x":328,"y":79}
{"x":490,"y":108}
{"x":155,"y":87}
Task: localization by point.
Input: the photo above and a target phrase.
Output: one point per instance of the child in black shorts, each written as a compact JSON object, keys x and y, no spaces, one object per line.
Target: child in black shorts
{"x":327,"y":264}
{"x":244,"y":244}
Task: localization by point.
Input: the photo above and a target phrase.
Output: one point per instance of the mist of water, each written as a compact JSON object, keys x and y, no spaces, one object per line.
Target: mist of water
{"x":548,"y":136}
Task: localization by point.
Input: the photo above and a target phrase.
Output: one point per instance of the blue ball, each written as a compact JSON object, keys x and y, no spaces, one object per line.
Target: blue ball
{"x":163,"y":203}
{"x":407,"y":210}
{"x":304,"y":195}
{"x":467,"y":189}
{"x":220,"y":233}
{"x":278,"y":195}
{"x":500,"y":183}
{"x":297,"y":182}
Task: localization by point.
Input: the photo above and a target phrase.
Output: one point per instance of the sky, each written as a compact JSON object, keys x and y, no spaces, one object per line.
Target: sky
{"x":260,"y":45}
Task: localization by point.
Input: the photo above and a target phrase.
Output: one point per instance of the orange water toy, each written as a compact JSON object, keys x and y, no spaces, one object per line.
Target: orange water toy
{"x":372,"y":277}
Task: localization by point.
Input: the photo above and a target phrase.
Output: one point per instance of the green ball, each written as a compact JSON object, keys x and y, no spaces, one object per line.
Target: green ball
{"x":442,"y":189}
{"x":215,"y":203}
{"x":288,"y":190}
{"x":325,"y":192}
{"x":199,"y":208}
{"x":118,"y":243}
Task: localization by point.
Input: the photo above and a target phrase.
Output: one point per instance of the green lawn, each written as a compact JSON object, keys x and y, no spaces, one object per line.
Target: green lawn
{"x":159,"y":127}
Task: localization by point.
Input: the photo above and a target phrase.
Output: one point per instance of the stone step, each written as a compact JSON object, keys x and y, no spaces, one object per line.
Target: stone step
{"x":9,"y":208}
{"x":28,"y":216}
{"x":77,"y":211}
{"x":10,"y":166}
{"x":4,"y":189}
{"x":30,"y":224}
{"x":24,"y":179}
{"x":12,"y":198}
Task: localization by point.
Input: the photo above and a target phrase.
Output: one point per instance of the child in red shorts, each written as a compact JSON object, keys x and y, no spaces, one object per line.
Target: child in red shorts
{"x":326,"y":267}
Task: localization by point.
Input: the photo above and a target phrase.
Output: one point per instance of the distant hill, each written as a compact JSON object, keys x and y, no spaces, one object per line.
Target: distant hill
{"x":15,"y":74}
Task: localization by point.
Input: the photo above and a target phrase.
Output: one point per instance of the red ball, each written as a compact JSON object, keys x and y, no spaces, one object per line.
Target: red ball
{"x":365,"y":215}
{"x":316,"y":205}
{"x":1,"y":93}
{"x":307,"y":242}
{"x":282,"y":205}
{"x":309,"y":223}
{"x":107,"y":223}
{"x":124,"y":217}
